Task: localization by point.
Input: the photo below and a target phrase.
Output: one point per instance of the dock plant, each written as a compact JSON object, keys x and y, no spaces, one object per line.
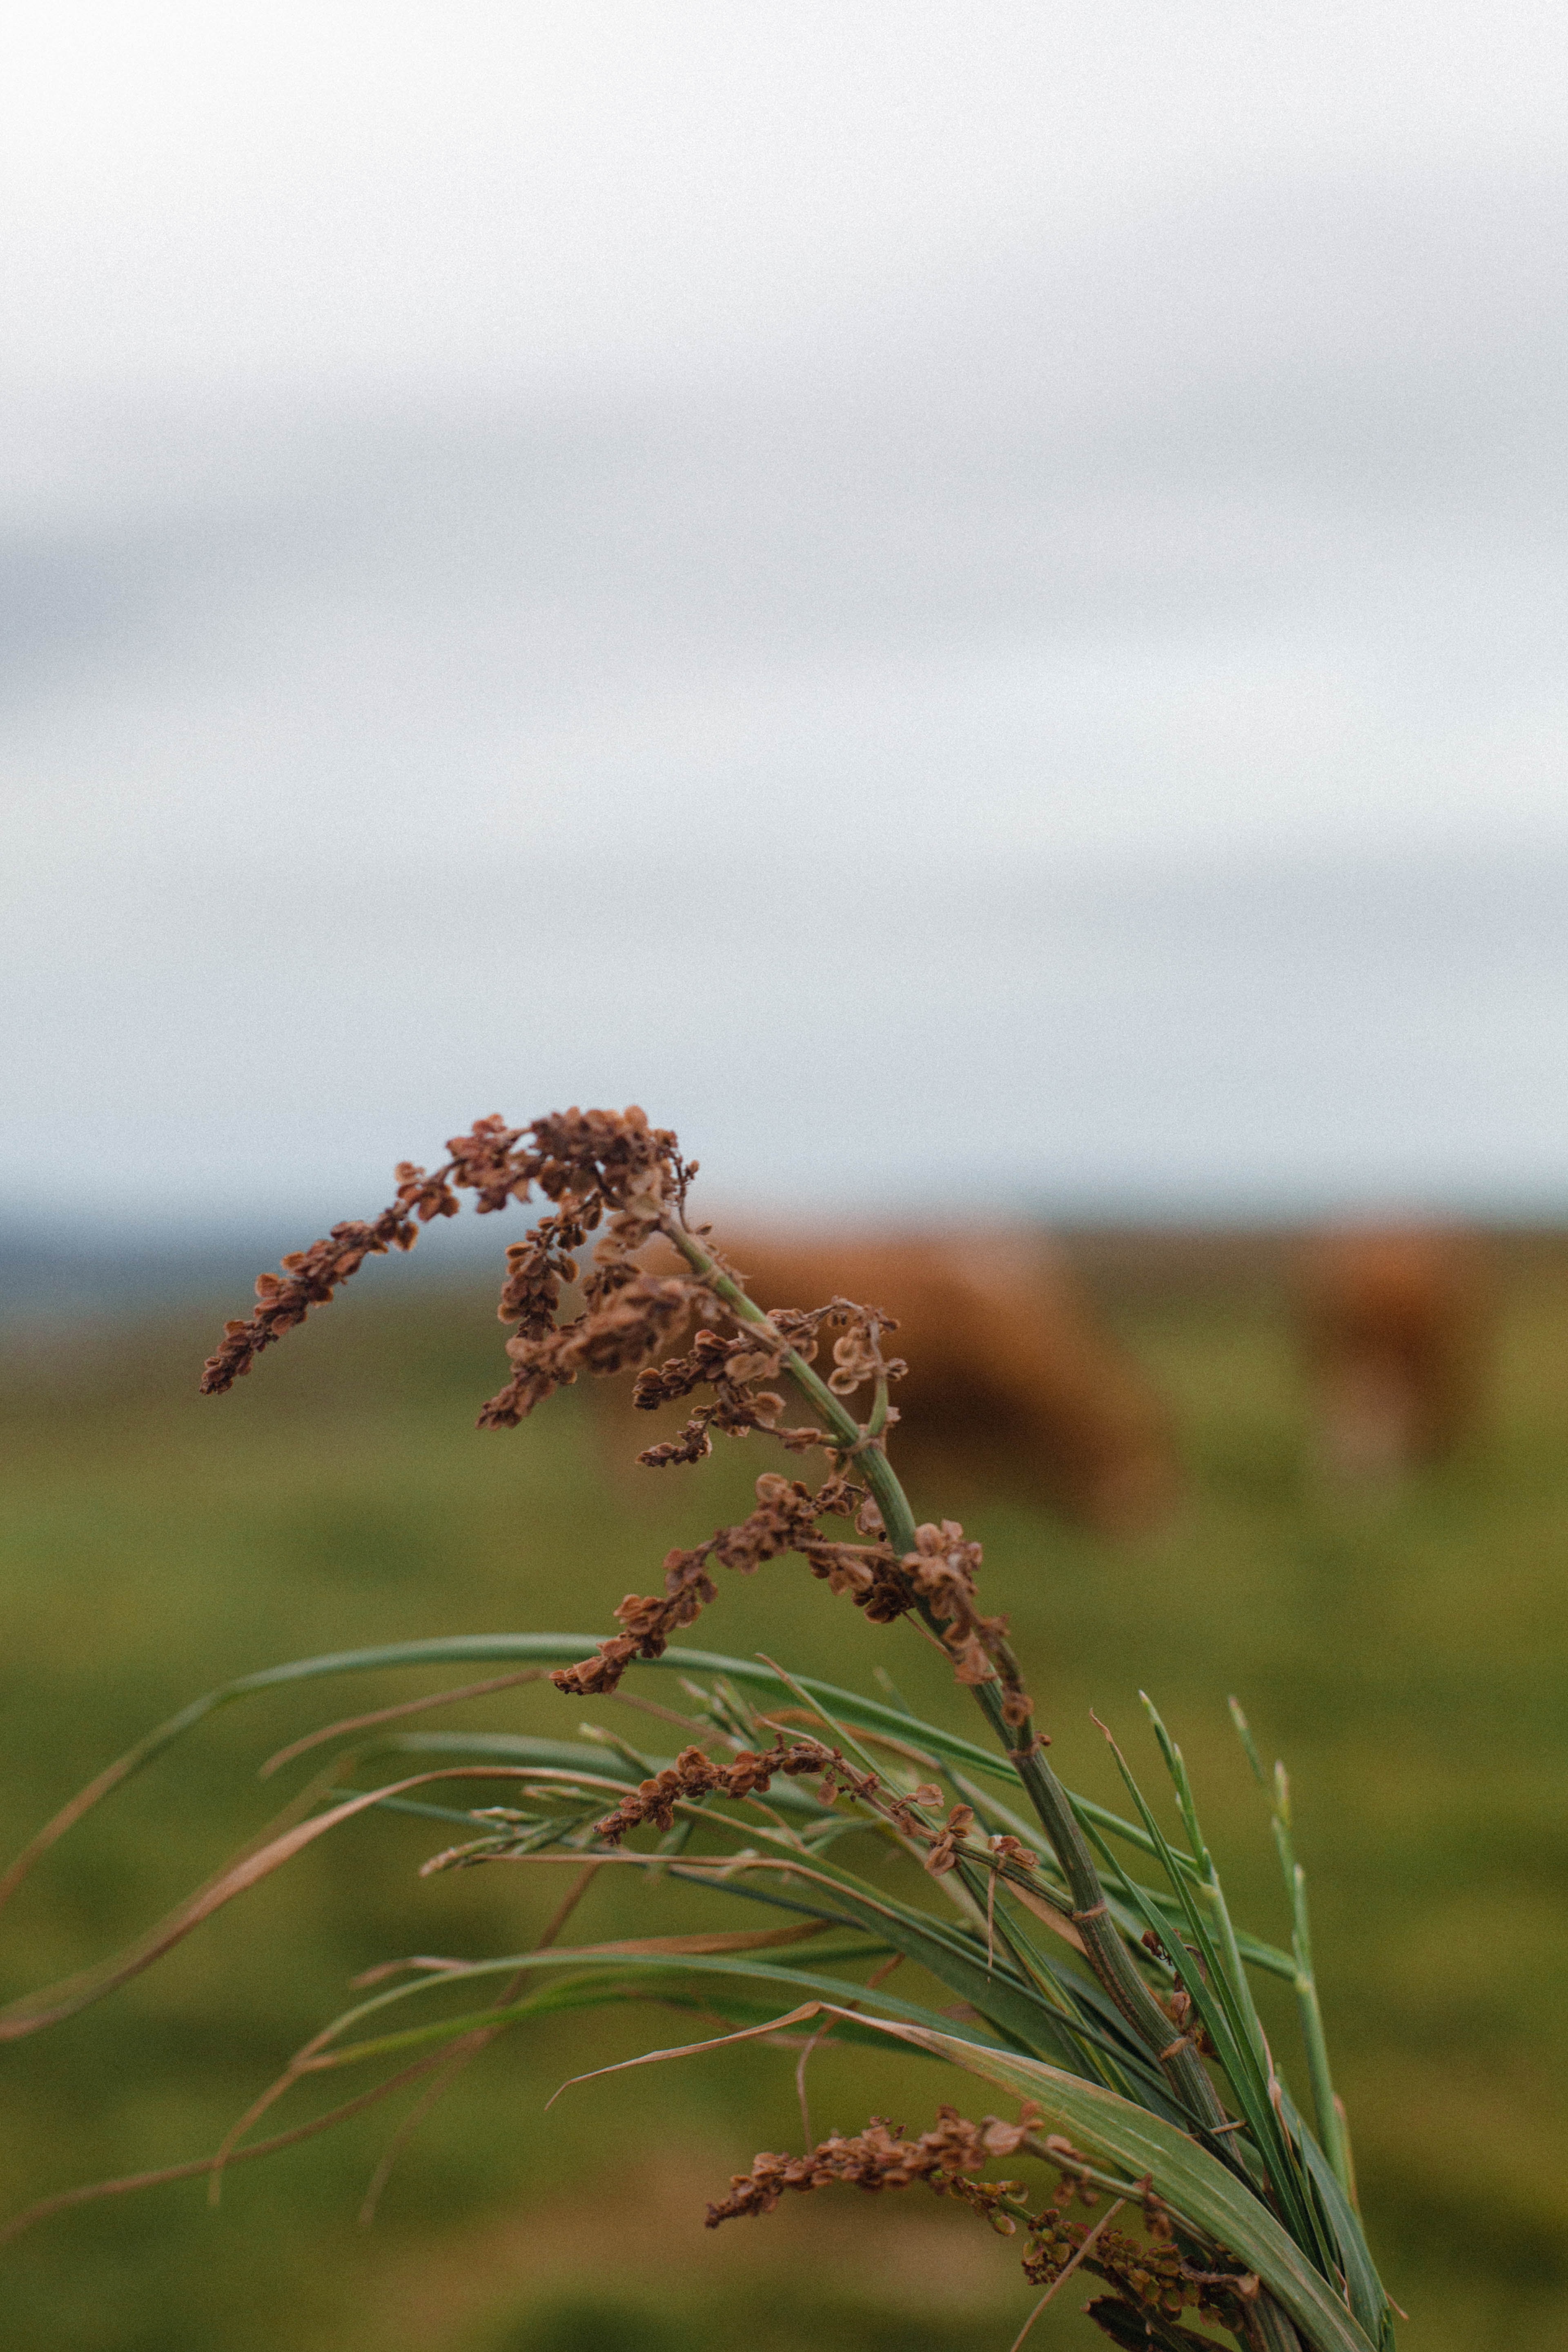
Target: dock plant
{"x":933,"y":1887}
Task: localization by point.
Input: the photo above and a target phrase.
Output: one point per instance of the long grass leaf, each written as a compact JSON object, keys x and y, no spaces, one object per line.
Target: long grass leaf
{"x":48,"y":2006}
{"x":647,"y":1969}
{"x":523,"y":1649}
{"x":1365,"y":2289}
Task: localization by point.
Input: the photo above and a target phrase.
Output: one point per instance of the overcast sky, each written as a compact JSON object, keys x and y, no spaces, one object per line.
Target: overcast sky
{"x":960,"y":600}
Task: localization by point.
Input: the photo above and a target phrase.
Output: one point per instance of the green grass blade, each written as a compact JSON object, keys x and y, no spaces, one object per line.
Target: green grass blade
{"x":1331,"y":2131}
{"x":1248,"y":2025}
{"x":1253,"y":1948}
{"x":1207,"y":1984}
{"x":527,"y":1649}
{"x":1365,"y":2289}
{"x":629,"y":1972}
{"x":1006,"y":1999}
{"x":1269,"y":2152}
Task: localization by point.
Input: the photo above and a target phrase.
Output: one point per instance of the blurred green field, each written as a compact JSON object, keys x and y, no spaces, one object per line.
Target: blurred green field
{"x":1407,"y":1656}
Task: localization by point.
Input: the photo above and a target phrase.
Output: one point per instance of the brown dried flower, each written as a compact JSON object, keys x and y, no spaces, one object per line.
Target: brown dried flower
{"x":634,"y":1319}
{"x":1010,"y":1848}
{"x":731,"y":1368}
{"x":1155,"y":2283}
{"x":309,"y":1279}
{"x":941,"y":1569}
{"x":599,"y":1167}
{"x":944,"y":1848}
{"x":785,"y":1520}
{"x":857,"y":1355}
{"x":695,"y":1774}
{"x":945,"y":2158}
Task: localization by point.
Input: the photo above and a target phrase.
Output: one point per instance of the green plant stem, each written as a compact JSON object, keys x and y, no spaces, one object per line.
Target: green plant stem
{"x":1331,"y":2129}
{"x":1104,"y":1948}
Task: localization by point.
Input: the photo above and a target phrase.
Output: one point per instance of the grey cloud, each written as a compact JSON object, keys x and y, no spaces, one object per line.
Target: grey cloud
{"x":1249,"y":398}
{"x":353,"y":754}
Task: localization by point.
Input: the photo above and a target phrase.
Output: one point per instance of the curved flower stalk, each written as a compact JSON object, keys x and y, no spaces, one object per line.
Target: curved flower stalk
{"x":1100,"y":1977}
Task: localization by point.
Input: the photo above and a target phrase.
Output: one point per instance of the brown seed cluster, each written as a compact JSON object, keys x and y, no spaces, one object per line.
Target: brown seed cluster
{"x":612,"y":1183}
{"x":1154,"y":2282}
{"x":785,"y":1519}
{"x":945,"y":2158}
{"x":309,"y":1279}
{"x":621,"y":1327}
{"x":1189,"y":2026}
{"x":695,"y":1774}
{"x":731,"y":1369}
{"x":941,"y":1569}
{"x":857,"y":1355}
{"x":597,"y":1167}
{"x":944,"y":1850}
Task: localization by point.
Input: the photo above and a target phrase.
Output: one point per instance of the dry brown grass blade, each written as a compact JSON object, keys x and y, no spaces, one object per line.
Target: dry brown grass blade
{"x":467,"y":2050}
{"x":129,"y":2182}
{"x":66,"y":1818}
{"x":695,"y":2049}
{"x":83,"y":1802}
{"x":108,"y":1779}
{"x":456,"y":2059}
{"x":465,"y":2053}
{"x":33,"y":2011}
{"x":391,"y":1714}
{"x":300,"y":2063}
{"x":749,"y":1940}
{"x":436,"y":1965}
{"x":1046,"y":1913}
{"x":752,"y":1940}
{"x":568,"y":1904}
{"x":298,"y":2066}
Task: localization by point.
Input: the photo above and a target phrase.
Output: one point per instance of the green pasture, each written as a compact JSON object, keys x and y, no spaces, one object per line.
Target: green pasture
{"x":1408,"y":1654}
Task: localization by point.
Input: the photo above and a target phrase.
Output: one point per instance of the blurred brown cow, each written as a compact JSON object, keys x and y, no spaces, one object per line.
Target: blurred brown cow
{"x":1010,"y":1376}
{"x":1394,"y":1324}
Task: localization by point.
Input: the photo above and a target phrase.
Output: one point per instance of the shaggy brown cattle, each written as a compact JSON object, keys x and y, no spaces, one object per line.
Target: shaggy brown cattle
{"x":1010,"y":1376}
{"x":1394,"y":1323}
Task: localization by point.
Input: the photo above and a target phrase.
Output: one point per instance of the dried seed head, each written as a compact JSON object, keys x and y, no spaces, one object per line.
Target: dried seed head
{"x":945,"y":2158}
{"x":599,"y":1167}
{"x":941,"y":1569}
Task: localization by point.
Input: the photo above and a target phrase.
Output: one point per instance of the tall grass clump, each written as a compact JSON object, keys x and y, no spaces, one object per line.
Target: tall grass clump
{"x":1092,"y":1970}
